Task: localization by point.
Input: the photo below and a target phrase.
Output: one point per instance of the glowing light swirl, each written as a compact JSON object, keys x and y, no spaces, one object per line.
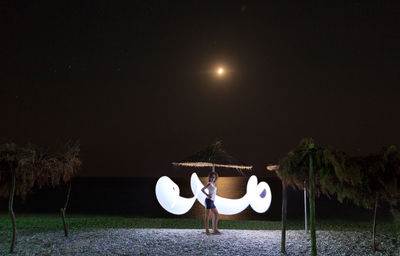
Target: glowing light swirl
{"x":258,"y":196}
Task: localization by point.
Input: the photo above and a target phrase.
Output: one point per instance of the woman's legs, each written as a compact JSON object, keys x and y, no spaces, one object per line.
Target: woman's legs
{"x":207,"y":220}
{"x":216,"y":214}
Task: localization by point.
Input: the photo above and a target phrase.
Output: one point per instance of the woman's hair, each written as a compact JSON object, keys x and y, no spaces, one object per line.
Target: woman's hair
{"x":211,"y":174}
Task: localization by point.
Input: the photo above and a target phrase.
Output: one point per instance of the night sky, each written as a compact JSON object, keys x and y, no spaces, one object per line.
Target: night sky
{"x":135,"y":83}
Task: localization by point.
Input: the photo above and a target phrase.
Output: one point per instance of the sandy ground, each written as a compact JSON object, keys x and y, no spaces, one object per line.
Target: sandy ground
{"x":195,"y":242}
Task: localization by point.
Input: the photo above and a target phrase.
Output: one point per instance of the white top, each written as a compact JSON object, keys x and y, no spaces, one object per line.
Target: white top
{"x":212,"y":189}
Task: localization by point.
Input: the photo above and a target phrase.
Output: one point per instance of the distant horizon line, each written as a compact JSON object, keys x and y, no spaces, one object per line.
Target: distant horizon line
{"x":268,"y":175}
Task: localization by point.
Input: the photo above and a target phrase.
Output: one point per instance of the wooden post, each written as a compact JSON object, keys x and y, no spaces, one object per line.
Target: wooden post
{"x":374,"y":224}
{"x":213,"y":215}
{"x":305,"y":207}
{"x":11,"y":209}
{"x":63,"y":210}
{"x":284,"y":205}
{"x":312,"y":201}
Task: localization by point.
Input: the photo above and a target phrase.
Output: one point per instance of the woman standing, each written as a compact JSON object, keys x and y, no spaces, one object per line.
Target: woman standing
{"x":212,"y":192}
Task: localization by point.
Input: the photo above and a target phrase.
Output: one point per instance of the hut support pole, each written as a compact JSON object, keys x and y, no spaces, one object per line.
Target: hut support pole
{"x":374,"y":223}
{"x":284,"y":204}
{"x":11,"y":210}
{"x":312,"y":203}
{"x":64,"y":209}
{"x":305,"y":208}
{"x":213,"y":215}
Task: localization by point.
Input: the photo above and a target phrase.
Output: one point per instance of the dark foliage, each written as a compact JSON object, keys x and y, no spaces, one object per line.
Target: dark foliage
{"x":34,"y":166}
{"x":345,"y":177}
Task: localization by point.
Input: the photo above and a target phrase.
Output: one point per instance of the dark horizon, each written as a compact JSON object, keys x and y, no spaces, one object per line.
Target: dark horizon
{"x":135,"y":82}
{"x":136,"y":198}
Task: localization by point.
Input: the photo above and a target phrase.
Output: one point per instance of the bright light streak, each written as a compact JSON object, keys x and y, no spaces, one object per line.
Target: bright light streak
{"x":258,"y":196}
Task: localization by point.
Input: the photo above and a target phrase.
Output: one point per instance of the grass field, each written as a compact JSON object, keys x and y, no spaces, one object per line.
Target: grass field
{"x":41,"y":223}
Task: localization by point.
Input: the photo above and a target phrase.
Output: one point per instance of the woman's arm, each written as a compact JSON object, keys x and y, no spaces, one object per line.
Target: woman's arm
{"x":202,"y":190}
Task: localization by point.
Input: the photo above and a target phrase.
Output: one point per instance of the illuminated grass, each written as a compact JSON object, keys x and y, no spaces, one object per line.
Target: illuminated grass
{"x":41,"y":223}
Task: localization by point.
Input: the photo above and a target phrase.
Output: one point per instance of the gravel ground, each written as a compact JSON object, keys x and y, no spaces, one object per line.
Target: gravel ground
{"x":195,"y":242}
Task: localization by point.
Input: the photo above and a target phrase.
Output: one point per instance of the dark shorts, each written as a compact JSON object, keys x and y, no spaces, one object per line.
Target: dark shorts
{"x":209,"y":203}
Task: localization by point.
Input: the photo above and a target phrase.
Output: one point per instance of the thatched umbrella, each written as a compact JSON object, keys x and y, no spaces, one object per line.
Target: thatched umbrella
{"x":213,"y":156}
{"x":23,"y":167}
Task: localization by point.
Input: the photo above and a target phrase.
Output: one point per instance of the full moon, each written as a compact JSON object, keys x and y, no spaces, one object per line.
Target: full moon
{"x":220,"y":71}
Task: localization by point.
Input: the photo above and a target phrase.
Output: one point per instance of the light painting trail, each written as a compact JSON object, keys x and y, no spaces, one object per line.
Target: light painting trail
{"x":258,"y":196}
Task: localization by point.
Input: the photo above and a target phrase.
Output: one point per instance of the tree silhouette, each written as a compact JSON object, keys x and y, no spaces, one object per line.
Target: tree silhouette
{"x":17,"y":176}
{"x":23,"y":167}
{"x":57,"y":169}
{"x":373,"y":178}
{"x":363,"y":180}
{"x":295,"y":168}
